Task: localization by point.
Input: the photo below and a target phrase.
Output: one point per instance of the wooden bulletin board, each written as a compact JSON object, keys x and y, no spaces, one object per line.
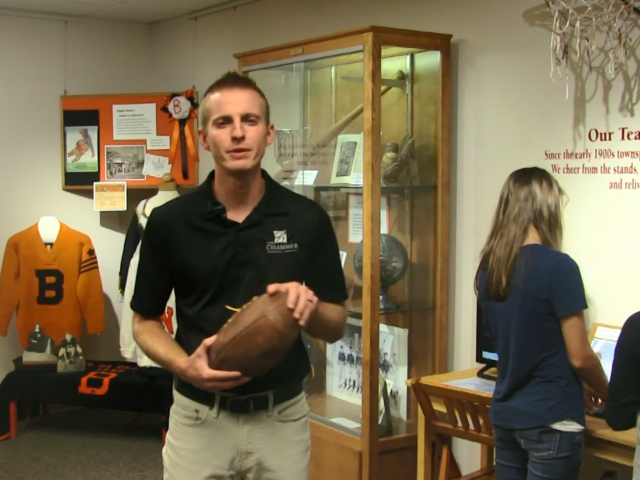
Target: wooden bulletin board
{"x":128,"y":138}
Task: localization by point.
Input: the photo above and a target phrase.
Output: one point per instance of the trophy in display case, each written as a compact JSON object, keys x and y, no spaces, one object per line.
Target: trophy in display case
{"x":284,"y":145}
{"x":396,"y":160}
{"x":394,"y":261}
{"x":362,"y":123}
{"x":289,"y":149}
{"x":290,"y":144}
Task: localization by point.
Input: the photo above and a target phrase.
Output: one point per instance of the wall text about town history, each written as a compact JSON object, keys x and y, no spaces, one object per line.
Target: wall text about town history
{"x":620,"y":164}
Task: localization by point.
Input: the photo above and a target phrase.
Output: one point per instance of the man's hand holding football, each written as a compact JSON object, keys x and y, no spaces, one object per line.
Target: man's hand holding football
{"x":195,"y":370}
{"x":300,"y":299}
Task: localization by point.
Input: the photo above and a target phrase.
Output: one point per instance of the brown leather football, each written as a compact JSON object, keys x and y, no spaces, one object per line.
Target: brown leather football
{"x":256,"y":338}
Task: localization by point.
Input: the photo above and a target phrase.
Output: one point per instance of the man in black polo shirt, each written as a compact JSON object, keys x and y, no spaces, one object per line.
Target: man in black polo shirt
{"x":239,"y":235}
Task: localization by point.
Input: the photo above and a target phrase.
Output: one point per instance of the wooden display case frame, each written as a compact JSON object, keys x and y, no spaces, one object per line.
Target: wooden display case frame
{"x":370,"y":457}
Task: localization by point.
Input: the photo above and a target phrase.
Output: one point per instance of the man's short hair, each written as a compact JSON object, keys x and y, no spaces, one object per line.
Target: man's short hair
{"x":229,"y":81}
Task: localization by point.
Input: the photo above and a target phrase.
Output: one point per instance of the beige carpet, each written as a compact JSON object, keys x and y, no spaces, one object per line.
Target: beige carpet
{"x":86,"y":444}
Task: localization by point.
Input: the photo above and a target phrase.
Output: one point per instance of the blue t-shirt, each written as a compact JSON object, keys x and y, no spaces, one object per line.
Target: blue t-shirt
{"x":536,"y":384}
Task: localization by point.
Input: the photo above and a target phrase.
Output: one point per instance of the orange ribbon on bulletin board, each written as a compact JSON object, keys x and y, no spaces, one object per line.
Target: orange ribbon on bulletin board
{"x":182,"y":107}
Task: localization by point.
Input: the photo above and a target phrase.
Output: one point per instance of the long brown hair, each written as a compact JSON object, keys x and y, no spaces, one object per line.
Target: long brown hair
{"x":529,"y":197}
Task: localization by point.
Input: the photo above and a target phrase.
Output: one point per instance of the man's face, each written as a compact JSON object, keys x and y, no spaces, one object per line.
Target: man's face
{"x":237,"y":133}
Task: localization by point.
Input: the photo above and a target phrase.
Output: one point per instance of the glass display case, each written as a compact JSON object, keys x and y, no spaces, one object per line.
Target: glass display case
{"x":362,"y":128}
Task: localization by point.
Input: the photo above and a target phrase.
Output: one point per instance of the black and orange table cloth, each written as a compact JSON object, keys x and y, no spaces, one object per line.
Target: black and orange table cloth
{"x":110,"y":385}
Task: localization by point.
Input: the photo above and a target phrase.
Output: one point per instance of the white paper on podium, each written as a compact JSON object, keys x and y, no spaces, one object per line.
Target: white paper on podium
{"x":345,"y":422}
{"x":474,"y":383}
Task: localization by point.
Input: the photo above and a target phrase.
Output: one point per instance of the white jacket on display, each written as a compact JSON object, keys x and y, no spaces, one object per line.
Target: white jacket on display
{"x":129,"y":349}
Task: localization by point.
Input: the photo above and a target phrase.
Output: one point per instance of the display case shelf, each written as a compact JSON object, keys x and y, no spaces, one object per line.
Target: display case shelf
{"x":362,"y":128}
{"x":403,"y":308}
{"x":338,"y":414}
{"x":359,"y":188}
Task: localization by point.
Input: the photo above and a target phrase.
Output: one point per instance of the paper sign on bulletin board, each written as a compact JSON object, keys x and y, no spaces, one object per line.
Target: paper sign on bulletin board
{"x":133,"y":138}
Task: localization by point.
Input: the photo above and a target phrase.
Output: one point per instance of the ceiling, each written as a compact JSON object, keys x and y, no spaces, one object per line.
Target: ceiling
{"x":145,"y":11}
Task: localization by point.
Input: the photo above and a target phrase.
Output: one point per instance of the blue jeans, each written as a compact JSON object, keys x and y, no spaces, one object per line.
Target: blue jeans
{"x":538,"y":453}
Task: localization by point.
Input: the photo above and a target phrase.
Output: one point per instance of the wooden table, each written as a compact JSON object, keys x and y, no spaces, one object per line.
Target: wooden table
{"x":600,"y":440}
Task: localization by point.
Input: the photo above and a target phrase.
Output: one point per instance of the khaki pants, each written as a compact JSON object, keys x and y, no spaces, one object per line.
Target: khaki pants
{"x":208,"y":443}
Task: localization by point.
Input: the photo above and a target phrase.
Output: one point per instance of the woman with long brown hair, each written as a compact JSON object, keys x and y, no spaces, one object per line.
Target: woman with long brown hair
{"x":533,"y":298}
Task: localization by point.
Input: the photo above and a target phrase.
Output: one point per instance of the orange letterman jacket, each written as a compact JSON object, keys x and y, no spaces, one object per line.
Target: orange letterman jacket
{"x":55,"y":288}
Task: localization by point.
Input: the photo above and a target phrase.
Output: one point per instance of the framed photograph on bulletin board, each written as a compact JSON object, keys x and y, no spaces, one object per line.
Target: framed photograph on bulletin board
{"x":131,"y":138}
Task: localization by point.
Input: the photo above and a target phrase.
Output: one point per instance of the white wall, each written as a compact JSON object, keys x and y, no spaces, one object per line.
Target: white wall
{"x":100,"y":57}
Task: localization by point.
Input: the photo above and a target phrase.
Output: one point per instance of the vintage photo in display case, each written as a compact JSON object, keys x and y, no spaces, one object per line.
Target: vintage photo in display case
{"x":344,"y":366}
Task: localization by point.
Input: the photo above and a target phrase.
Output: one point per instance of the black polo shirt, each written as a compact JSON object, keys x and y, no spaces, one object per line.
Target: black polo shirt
{"x":212,"y":262}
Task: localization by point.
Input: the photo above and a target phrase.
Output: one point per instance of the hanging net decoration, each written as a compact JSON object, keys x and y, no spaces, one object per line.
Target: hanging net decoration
{"x":584,"y":27}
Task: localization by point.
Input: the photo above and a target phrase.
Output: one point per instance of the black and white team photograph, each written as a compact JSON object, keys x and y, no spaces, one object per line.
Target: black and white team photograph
{"x":344,"y":365}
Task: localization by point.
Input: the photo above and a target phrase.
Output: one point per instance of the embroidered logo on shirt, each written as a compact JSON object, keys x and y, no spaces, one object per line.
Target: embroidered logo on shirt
{"x":280,"y":243}
{"x":280,"y":236}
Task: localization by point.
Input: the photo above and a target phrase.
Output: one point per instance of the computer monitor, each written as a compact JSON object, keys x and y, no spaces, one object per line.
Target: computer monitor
{"x":486,"y":353}
{"x":603,"y":339}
